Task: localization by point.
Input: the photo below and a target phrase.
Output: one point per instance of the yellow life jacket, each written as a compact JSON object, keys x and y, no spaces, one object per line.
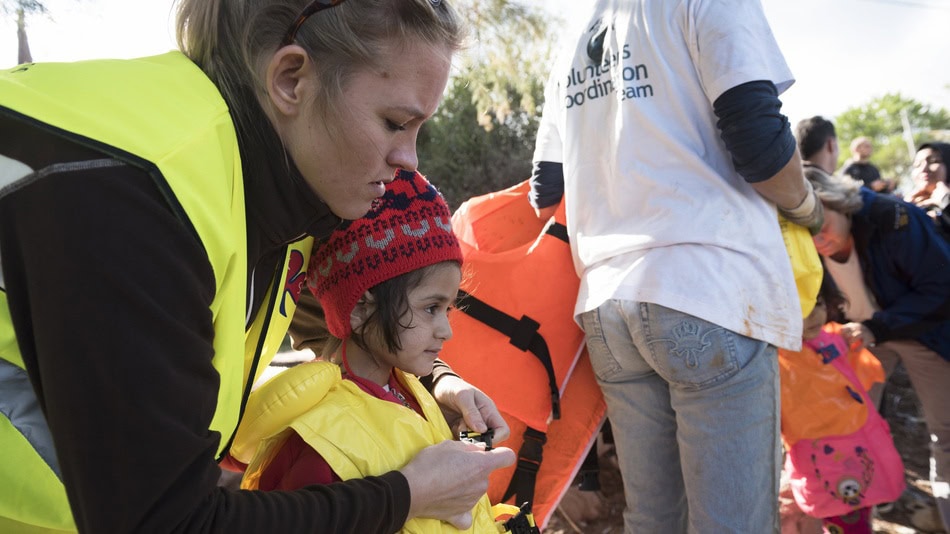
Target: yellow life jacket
{"x":514,"y":337}
{"x":164,"y":115}
{"x":806,"y":265}
{"x":357,"y":434}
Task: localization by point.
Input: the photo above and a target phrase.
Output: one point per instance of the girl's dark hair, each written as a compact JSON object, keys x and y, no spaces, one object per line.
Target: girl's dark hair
{"x":832,"y":298}
{"x":392,"y":303}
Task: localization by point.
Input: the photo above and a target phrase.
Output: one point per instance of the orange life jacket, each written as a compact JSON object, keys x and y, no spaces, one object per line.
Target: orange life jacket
{"x":515,"y":339}
{"x":817,"y":400}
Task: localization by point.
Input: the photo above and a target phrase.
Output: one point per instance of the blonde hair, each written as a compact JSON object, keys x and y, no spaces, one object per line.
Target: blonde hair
{"x":233,"y":40}
{"x":838,"y":193}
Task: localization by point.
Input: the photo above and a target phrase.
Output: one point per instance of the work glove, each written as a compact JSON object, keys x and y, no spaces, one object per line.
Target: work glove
{"x":809,"y":213}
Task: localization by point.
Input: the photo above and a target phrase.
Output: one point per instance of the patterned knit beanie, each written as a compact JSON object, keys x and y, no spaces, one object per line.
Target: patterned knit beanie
{"x":408,"y":228}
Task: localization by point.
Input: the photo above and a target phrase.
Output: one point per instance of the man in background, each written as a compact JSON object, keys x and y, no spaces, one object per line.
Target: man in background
{"x":860,"y":168}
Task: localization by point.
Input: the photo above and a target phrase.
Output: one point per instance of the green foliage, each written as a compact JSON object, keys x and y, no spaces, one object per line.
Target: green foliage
{"x":510,"y":47}
{"x":464,"y":159}
{"x":28,"y":7}
{"x":482,"y":137}
{"x":880,"y":120}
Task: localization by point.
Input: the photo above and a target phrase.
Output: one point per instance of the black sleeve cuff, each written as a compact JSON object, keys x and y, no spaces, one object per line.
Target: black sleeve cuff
{"x":547,"y":184}
{"x":880,"y":330}
{"x":754,"y":130}
{"x":402,"y":497}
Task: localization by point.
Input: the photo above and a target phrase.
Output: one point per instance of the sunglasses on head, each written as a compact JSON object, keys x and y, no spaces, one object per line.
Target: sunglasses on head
{"x":313,"y":7}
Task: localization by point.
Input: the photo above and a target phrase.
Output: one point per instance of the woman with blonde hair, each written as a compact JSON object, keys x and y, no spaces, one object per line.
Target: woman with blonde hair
{"x":156,"y":220}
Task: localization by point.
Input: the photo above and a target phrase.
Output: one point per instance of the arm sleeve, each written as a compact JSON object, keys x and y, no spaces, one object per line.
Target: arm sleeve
{"x":920,"y":255}
{"x":308,"y":327}
{"x":109,"y":294}
{"x":731,"y":43}
{"x":547,"y":184}
{"x":296,"y":465}
{"x":547,"y":174}
{"x":755,"y":132}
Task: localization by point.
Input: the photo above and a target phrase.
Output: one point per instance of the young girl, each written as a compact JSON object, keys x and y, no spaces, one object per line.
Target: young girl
{"x":820,"y":403}
{"x":386,"y":283}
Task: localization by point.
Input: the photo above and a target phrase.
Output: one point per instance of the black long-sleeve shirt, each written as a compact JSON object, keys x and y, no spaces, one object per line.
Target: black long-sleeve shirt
{"x":109,"y":294}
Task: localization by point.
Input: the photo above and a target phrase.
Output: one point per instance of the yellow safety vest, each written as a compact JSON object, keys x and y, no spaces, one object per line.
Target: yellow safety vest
{"x":164,"y":115}
{"x":358,"y":434}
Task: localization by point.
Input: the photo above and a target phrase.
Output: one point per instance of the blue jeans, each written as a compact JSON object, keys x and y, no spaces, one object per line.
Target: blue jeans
{"x":694,"y":410}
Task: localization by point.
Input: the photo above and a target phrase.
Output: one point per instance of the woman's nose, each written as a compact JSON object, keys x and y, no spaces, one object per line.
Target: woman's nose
{"x":403,"y":155}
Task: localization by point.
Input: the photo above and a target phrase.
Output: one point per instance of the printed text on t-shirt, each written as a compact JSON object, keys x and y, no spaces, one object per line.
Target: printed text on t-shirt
{"x":589,"y":83}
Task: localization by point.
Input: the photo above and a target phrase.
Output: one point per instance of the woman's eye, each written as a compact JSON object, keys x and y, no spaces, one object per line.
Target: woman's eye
{"x":393,"y":127}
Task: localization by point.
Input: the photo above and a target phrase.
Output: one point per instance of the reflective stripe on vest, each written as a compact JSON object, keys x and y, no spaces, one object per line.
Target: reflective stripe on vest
{"x":21,"y":407}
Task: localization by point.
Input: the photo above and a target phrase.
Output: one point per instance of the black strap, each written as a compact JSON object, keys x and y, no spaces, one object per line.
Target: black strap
{"x":522,"y":333}
{"x":529,"y":462}
{"x":522,"y":522}
{"x":557,"y":230}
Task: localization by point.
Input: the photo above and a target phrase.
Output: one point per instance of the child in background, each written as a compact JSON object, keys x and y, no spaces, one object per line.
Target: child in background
{"x":386,"y":283}
{"x":820,"y":404}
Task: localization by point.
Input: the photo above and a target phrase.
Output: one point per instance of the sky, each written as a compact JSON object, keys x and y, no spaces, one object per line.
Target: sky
{"x":843,"y":53}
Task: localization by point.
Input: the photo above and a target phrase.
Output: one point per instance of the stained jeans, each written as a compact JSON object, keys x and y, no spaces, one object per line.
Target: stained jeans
{"x":694,"y":410}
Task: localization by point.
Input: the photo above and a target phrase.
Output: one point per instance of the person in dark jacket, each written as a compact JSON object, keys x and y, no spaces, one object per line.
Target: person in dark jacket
{"x":889,"y":260}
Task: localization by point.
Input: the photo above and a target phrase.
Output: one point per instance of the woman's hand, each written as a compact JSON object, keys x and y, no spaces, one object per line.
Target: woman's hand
{"x":446,"y":480}
{"x":466,"y":407}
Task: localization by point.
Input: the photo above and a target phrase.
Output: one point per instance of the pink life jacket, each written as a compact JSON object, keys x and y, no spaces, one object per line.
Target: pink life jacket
{"x":836,"y":474}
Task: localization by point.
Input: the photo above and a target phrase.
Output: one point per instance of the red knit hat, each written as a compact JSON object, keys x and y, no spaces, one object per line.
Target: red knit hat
{"x":408,"y":228}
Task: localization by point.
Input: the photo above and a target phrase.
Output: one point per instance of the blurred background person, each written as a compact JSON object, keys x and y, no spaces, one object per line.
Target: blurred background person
{"x":859,"y":166}
{"x":929,"y":172}
{"x":818,"y":143}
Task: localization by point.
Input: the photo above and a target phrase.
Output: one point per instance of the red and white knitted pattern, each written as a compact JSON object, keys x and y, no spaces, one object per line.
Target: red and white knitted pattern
{"x":408,"y":228}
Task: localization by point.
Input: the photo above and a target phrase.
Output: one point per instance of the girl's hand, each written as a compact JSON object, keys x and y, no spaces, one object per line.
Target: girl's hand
{"x":466,"y":407}
{"x":857,"y":333}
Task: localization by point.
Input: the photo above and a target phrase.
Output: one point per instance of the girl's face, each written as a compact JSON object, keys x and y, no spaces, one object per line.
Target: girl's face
{"x":835,"y":234}
{"x":347,"y":152}
{"x":428,"y":320}
{"x":929,"y":167}
{"x":815,"y":320}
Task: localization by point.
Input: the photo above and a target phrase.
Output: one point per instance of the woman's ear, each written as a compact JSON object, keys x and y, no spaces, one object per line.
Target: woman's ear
{"x":363,"y":309}
{"x":290,"y":80}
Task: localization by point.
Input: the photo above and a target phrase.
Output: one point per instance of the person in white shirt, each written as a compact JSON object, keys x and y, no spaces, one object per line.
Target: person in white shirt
{"x":663,"y":133}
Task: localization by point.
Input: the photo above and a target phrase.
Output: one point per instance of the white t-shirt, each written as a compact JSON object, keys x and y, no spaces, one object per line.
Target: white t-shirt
{"x":655,"y":209}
